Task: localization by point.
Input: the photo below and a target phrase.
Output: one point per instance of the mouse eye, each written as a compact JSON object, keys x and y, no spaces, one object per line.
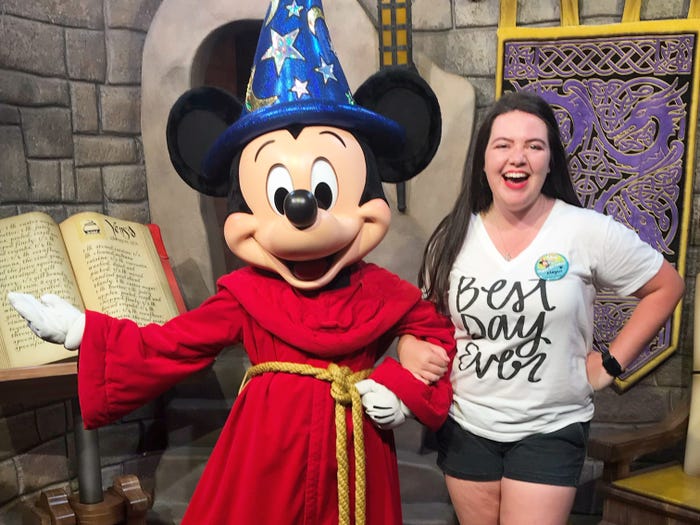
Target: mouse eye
{"x":279,"y":185}
{"x":324,"y":184}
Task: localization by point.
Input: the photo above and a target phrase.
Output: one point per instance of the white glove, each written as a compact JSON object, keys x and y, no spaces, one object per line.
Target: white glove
{"x":51,"y":318}
{"x":381,"y":404}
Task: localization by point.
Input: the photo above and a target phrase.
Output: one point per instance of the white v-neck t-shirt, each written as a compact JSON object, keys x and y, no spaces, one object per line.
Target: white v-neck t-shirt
{"x":524,"y":327}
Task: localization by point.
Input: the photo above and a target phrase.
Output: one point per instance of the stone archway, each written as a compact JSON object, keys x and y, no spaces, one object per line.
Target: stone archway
{"x":176,"y":51}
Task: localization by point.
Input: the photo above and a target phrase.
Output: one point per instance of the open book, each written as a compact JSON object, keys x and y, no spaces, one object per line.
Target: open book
{"x":94,"y":261}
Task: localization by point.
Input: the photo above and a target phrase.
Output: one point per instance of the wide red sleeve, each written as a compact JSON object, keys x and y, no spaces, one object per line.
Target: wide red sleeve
{"x":429,"y":403}
{"x":122,"y":366}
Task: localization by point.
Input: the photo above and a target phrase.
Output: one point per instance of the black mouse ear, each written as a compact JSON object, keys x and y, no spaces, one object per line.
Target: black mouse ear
{"x":196,"y":120}
{"x":401,"y":94}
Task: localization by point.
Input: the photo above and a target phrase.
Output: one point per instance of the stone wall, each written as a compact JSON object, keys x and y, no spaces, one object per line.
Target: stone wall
{"x":70,"y":75}
{"x":70,"y":106}
{"x":70,"y":141}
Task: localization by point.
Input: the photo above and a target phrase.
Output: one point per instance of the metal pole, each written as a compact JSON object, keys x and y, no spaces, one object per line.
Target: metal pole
{"x":87,"y":448}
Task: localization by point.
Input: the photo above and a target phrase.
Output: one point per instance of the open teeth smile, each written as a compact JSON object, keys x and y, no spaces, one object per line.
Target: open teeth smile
{"x":516,"y":177}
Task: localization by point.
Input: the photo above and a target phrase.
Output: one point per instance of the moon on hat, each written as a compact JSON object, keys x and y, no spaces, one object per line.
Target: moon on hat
{"x":254,"y":103}
{"x":273,"y":9}
{"x":314,"y":14}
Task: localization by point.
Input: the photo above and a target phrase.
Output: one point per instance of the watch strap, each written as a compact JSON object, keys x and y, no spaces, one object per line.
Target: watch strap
{"x":611,"y":365}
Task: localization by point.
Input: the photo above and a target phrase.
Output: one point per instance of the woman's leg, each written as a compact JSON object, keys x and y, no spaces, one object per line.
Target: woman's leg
{"x":475,"y":502}
{"x":524,"y":503}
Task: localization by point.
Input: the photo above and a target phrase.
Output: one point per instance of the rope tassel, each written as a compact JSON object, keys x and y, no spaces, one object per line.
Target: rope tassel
{"x":344,"y":393}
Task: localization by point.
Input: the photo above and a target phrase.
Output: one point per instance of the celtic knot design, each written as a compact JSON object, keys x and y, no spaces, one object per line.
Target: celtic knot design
{"x":622,"y":108}
{"x":601,"y":57}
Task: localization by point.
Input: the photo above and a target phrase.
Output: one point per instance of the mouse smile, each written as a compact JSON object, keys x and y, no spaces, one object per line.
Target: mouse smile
{"x":311,"y":270}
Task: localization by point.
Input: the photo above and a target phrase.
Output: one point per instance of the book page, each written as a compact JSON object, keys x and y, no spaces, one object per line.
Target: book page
{"x":118,"y":269}
{"x":33,"y":260}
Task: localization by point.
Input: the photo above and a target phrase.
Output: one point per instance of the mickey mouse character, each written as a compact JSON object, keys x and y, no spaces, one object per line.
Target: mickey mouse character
{"x":302,"y":164}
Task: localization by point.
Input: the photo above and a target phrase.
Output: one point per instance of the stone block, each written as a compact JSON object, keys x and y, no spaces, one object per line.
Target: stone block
{"x":119,"y":442}
{"x":14,"y":183}
{"x":70,"y":407}
{"x":47,"y":132}
{"x":9,"y":484}
{"x":32,"y":46}
{"x":109,"y":473}
{"x":663,"y":10}
{"x":124,"y":50}
{"x":105,"y":149}
{"x":17,"y":406}
{"x":685,"y":347}
{"x":481,"y":42}
{"x":84,"y":107}
{"x":431,"y":15}
{"x":80,"y":208}
{"x":44,"y":180}
{"x":17,"y":434}
{"x":85,"y":54}
{"x":370,"y":7}
{"x":72,"y":462}
{"x":593,"y":8}
{"x":152,"y":410}
{"x":544,"y":12}
{"x":56,"y":211}
{"x":74,"y":13}
{"x":130,"y":14}
{"x":138,"y":212}
{"x":144,"y":467}
{"x":25,"y":89}
{"x":125,"y":183}
{"x":668,"y":373}
{"x":51,"y":421}
{"x":120,"y":107}
{"x":6,"y":211}
{"x":43,"y":465}
{"x":8,"y":115}
{"x":88,"y":185}
{"x":600,"y":20}
{"x":433,"y":47}
{"x":485,"y":89}
{"x":469,"y":13}
{"x":68,"y":185}
{"x":695,"y":223}
{"x":640,"y":405}
{"x":16,"y":512}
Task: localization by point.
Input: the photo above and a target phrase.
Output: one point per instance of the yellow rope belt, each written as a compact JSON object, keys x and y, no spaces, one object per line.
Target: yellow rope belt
{"x":344,"y":393}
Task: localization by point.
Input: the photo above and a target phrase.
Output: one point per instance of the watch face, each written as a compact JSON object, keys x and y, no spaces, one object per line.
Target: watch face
{"x":611,"y":365}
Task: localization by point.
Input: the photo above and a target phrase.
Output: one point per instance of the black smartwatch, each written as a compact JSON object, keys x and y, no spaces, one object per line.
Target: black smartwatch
{"x":611,"y":365}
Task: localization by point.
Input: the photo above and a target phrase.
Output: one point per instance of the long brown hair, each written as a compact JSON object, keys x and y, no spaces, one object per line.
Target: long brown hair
{"x":475,"y":195}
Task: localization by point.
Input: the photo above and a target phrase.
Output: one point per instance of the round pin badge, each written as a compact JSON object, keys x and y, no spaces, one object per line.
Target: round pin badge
{"x":551,"y":266}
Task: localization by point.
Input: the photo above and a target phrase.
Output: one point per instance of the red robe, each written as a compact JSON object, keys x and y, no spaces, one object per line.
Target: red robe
{"x":275,"y":462}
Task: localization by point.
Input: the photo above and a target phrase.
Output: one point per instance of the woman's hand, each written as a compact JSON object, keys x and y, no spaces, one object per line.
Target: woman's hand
{"x":598,"y":377}
{"x":426,"y":361}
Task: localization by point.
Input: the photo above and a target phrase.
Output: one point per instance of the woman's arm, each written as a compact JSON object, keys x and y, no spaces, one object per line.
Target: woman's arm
{"x":658,"y":298}
{"x":426,"y":361}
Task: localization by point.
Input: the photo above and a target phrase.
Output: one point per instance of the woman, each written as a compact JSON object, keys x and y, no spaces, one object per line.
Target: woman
{"x":516,"y":264}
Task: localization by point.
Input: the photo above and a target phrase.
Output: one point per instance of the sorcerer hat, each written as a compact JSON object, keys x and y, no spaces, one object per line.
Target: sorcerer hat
{"x":297,"y":79}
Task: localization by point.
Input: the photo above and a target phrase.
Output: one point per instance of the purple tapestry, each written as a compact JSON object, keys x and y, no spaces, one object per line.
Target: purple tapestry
{"x":621,"y":104}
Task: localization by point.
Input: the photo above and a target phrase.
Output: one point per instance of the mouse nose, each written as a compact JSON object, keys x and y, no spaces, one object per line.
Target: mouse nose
{"x":301,"y":208}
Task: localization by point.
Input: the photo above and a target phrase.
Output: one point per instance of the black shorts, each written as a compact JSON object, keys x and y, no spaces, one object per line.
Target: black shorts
{"x":555,"y":458}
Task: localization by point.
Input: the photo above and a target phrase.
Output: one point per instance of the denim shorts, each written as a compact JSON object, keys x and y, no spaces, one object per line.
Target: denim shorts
{"x":555,"y":458}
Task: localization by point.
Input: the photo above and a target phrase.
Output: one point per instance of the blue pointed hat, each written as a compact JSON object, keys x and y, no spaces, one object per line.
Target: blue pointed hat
{"x":297,"y":79}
